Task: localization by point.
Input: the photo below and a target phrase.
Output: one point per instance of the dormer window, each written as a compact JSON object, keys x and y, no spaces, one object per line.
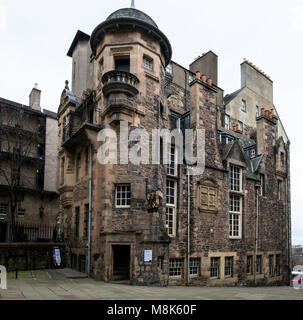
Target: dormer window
{"x":122,"y":64}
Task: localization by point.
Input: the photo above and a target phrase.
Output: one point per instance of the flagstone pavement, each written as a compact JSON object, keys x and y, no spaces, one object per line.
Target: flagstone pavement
{"x":69,"y":285}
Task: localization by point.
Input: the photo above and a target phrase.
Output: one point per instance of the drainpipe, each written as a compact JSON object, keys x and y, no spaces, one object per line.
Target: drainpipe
{"x":257,"y":236}
{"x":89,"y":211}
{"x":188,"y":227}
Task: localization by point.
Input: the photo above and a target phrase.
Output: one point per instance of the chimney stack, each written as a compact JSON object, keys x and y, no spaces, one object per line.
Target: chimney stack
{"x":35,"y":98}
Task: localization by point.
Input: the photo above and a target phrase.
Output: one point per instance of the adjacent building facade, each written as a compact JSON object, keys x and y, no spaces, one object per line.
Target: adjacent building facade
{"x":28,"y":166}
{"x":142,"y":222}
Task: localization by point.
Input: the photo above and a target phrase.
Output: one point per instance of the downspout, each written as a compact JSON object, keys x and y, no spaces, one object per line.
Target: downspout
{"x":257,"y":236}
{"x":89,"y":212}
{"x":288,"y":206}
{"x":188,"y":227}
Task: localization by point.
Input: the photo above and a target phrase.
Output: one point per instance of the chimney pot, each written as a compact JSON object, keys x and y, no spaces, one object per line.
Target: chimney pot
{"x":263,"y":112}
{"x":204,"y":78}
{"x":210,"y":82}
{"x":198,"y":75}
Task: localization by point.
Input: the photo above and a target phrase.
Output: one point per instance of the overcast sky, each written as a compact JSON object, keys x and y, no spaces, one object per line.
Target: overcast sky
{"x":35,"y":37}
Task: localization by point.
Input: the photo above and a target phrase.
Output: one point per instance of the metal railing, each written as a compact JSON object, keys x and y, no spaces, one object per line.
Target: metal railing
{"x":24,"y":232}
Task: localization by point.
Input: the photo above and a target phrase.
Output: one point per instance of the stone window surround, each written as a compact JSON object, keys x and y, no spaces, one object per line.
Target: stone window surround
{"x":148,"y":62}
{"x":215,"y":262}
{"x":222,"y":256}
{"x":258,"y":275}
{"x":195,"y":262}
{"x":228,"y":267}
{"x":116,"y":195}
{"x":178,"y":266}
{"x":169,"y":166}
{"x":266,"y":265}
{"x":174,"y":207}
{"x":121,"y":53}
{"x":249,"y":264}
{"x":243,"y":105}
{"x":241,"y":166}
{"x":236,"y":165}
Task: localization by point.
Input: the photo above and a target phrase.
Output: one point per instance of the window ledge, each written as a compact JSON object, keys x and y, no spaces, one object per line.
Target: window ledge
{"x":238,"y":193}
{"x":149,"y":74}
{"x":172,"y":177}
{"x":208,"y":211}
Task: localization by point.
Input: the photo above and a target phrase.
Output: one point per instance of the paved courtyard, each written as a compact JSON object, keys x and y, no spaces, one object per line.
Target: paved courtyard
{"x":66,"y":285}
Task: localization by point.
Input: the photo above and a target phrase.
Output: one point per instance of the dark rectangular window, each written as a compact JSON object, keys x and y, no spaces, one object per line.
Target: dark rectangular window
{"x":77,"y":219}
{"x":86,"y":218}
{"x":278,"y":267}
{"x":3,"y":209}
{"x":21,"y":213}
{"x":39,"y":179}
{"x":259,"y":265}
{"x":194,"y":267}
{"x":249,"y":265}
{"x":62,"y":170}
{"x":215,"y":268}
{"x":243,"y":106}
{"x":86,"y":161}
{"x":123,"y":196}
{"x":161,"y":262}
{"x":78,"y":166}
{"x":175,"y":268}
{"x":229,"y":266}
{"x":271,"y":266}
{"x":122,"y":64}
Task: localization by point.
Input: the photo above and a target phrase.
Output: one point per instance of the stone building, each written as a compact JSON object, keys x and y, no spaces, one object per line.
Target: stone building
{"x":297,"y":256}
{"x":28,"y":166}
{"x":146,"y":223}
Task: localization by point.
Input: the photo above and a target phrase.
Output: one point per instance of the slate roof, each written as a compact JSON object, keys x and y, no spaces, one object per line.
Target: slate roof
{"x":252,"y":165}
{"x":73,"y":99}
{"x":229,"y":97}
{"x":130,"y":17}
{"x":133,"y":14}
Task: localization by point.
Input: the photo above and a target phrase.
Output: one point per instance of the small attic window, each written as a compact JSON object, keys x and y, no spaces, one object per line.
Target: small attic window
{"x":252,"y":153}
